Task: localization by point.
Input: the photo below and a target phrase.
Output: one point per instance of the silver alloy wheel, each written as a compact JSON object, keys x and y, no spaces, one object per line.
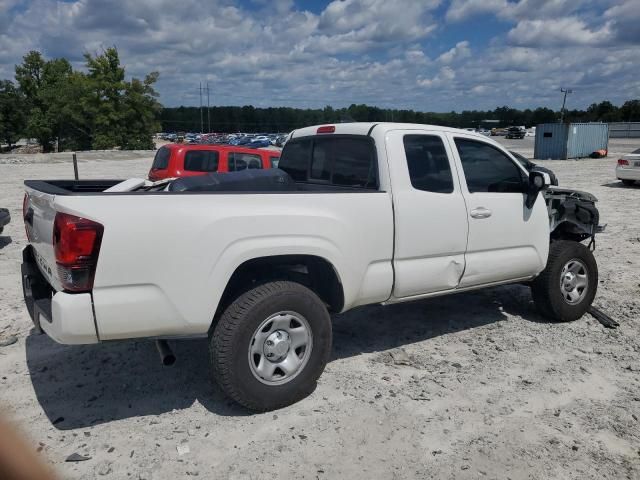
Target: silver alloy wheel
{"x":574,"y":281}
{"x":280,"y":348}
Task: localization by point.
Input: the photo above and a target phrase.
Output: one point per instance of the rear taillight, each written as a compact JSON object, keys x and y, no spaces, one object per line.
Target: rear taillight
{"x":76,"y":244}
{"x":622,"y":161}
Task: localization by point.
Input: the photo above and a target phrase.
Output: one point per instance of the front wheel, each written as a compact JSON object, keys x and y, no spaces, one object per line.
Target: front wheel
{"x":271,"y":345}
{"x":567,"y":286}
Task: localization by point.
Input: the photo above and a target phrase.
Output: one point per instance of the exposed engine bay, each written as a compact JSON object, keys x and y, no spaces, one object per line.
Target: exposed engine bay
{"x":572,"y":214}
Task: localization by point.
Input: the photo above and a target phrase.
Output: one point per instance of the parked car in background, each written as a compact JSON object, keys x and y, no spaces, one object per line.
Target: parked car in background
{"x":258,"y":143}
{"x":628,"y":168}
{"x":498,"y":132}
{"x":516,"y":132}
{"x":530,"y":166}
{"x":182,"y":160}
{"x":484,"y":132}
{"x":5,"y":218}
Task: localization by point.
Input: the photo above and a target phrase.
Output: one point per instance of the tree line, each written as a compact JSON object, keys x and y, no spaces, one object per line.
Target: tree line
{"x":68,"y":109}
{"x":284,"y":119}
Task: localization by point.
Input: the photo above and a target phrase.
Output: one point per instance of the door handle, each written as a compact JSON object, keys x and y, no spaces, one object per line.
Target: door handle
{"x":480,"y":212}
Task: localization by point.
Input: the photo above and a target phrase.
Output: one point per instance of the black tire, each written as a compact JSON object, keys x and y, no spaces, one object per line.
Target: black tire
{"x":628,"y":183}
{"x":232,"y":336}
{"x":546,"y":291}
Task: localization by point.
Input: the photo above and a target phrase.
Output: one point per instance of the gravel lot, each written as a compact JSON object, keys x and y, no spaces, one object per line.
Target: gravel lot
{"x":476,"y":385}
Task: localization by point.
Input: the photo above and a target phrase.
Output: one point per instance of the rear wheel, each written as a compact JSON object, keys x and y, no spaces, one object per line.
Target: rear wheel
{"x":271,"y":345}
{"x":566,"y":288}
{"x":628,"y":183}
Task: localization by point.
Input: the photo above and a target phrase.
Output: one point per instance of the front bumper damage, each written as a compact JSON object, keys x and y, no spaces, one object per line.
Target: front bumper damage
{"x":572,"y":214}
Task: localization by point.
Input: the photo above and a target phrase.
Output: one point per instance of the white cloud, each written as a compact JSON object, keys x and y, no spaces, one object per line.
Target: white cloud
{"x":625,"y":21}
{"x":557,"y":33}
{"x":355,"y":51}
{"x":462,"y":9}
{"x":459,"y":52}
{"x":513,"y":10}
{"x":444,"y":76}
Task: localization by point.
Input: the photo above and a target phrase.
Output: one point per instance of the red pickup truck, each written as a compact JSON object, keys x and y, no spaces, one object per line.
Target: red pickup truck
{"x":177,"y":160}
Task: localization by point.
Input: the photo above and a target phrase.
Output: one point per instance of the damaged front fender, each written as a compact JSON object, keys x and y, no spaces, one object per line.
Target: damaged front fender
{"x":572,"y":214}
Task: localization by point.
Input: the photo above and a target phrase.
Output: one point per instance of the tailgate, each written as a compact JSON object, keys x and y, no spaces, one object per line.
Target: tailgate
{"x":39,"y":216}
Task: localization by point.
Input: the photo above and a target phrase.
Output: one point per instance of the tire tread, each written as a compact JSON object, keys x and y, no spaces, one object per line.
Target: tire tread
{"x":221,"y":340}
{"x":542,"y":288}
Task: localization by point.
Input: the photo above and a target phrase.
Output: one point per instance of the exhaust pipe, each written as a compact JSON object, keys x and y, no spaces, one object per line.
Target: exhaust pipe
{"x":167,"y":357}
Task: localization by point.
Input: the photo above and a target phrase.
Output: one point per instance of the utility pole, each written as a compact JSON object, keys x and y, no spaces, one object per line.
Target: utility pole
{"x":201,"y":124}
{"x":564,"y":101}
{"x":208,"y":111}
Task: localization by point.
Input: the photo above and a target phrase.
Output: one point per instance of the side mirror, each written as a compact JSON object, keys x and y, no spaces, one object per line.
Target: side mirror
{"x":537,"y":182}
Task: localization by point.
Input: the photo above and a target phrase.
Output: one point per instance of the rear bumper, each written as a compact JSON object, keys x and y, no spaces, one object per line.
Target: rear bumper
{"x":628,"y":173}
{"x":67,"y":318}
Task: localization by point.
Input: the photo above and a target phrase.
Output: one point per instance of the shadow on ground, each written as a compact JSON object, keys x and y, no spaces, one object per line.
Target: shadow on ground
{"x":79,"y":386}
{"x":4,"y":241}
{"x":619,"y":184}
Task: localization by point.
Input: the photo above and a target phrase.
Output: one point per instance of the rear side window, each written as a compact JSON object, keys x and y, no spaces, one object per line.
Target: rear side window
{"x":487,"y":169}
{"x":161,"y":160}
{"x":201,"y":161}
{"x":429,"y":168}
{"x":321,"y":161}
{"x":348,"y":161}
{"x":244,"y":161}
{"x":295,"y":159}
{"x":274,"y":161}
{"x":354,"y":163}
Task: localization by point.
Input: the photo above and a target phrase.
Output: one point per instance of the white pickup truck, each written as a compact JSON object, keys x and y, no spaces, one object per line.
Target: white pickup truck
{"x":356,"y":214}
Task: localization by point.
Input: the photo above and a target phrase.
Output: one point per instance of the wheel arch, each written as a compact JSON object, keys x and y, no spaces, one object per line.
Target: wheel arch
{"x":313,"y":271}
{"x":571,"y":230}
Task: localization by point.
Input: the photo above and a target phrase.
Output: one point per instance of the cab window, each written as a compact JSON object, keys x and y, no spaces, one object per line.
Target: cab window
{"x":201,"y":161}
{"x":344,"y":160}
{"x":487,"y":169}
{"x":161,"y":160}
{"x":243,"y":161}
{"x":428,"y":163}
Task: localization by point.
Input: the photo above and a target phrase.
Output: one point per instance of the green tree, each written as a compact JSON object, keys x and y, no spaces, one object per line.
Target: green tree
{"x":29,"y":75}
{"x":603,"y":112}
{"x":106,"y":84}
{"x":13,"y":115}
{"x":630,"y":111}
{"x":140,"y":113}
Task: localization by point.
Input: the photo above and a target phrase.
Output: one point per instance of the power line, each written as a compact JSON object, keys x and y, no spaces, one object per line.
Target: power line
{"x":564,"y":101}
{"x":208,"y":111}
{"x":201,"y":126}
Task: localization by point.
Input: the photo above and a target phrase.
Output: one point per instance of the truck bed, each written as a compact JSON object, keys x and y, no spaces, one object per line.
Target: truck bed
{"x":98,"y":187}
{"x":166,"y":258}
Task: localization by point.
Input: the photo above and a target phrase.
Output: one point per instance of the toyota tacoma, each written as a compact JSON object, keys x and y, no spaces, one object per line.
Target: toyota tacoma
{"x":256,"y":261}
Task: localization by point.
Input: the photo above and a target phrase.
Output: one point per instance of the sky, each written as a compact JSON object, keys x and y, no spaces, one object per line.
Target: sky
{"x":426,"y":55}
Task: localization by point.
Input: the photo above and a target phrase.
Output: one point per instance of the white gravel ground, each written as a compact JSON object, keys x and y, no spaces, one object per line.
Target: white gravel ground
{"x":471,"y":386}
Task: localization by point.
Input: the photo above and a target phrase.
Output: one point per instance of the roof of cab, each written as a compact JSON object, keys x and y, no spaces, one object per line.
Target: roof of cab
{"x":219,"y":147}
{"x":365,"y":128}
